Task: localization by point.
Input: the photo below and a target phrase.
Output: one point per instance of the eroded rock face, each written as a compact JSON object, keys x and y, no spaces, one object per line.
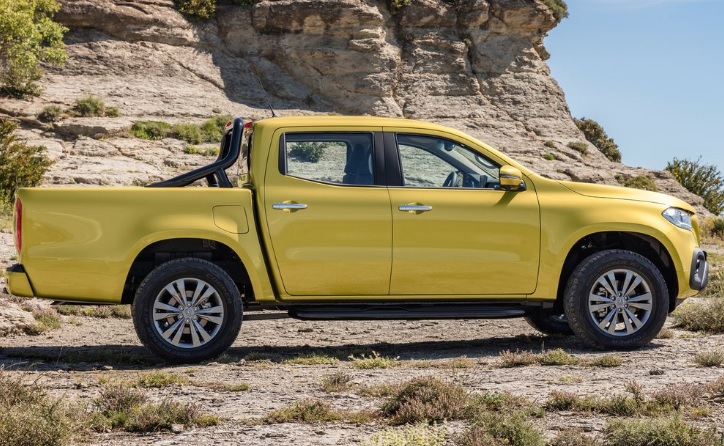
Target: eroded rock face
{"x":476,"y":65}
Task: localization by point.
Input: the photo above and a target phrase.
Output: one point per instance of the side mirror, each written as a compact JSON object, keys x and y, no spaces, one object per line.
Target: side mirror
{"x":511,"y":179}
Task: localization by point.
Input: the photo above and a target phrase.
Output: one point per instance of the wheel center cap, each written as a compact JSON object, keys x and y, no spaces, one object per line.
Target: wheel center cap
{"x":188,"y":312}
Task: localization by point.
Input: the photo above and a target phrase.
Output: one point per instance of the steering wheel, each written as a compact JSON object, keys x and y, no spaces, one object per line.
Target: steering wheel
{"x":451,"y":180}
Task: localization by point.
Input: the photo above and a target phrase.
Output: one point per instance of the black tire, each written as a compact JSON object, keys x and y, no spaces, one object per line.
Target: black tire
{"x":194,"y":331}
{"x":630,"y":317}
{"x":549,"y":322}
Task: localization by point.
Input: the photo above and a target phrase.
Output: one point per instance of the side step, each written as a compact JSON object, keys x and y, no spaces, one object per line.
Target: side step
{"x":402,"y":311}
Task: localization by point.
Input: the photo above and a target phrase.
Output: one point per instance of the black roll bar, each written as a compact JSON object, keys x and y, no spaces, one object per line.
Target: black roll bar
{"x":215,"y":173}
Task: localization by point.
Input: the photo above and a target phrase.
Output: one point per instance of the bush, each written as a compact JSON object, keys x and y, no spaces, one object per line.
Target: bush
{"x":595,"y":134}
{"x":558,"y":8}
{"x":707,"y":317}
{"x":549,"y":157}
{"x":310,"y":152}
{"x":417,"y":434}
{"x":191,"y":133}
{"x":51,"y":113}
{"x":714,"y":358}
{"x":335,"y":382}
{"x":661,"y":432}
{"x":29,"y":37}
{"x":713,"y":227}
{"x":701,"y":179}
{"x":426,"y":399}
{"x":396,"y":5}
{"x":557,"y":357}
{"x":374,"y":361}
{"x":150,"y":129}
{"x":580,"y":147}
{"x":197,"y":9}
{"x":213,"y":128}
{"x":307,"y":411}
{"x":550,"y":144}
{"x":638,"y":182}
{"x":29,"y":417}
{"x":20,"y":165}
{"x":90,"y":106}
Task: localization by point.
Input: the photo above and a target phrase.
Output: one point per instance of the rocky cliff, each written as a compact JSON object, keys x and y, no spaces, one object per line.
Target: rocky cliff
{"x":477,"y":65}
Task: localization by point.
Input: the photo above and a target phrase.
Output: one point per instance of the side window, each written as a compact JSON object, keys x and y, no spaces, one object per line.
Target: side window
{"x":338,"y":158}
{"x":436,"y":162}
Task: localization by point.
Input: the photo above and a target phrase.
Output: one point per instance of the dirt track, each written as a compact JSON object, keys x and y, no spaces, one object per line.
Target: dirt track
{"x":71,"y":360}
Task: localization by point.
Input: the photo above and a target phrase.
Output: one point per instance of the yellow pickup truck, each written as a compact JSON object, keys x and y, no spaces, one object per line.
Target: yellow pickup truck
{"x":331,"y":217}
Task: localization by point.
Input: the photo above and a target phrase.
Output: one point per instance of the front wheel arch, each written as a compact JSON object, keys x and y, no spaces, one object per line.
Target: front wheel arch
{"x":642,"y":244}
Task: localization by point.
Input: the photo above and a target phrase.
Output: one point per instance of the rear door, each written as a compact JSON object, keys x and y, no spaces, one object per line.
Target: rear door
{"x":455,"y":232}
{"x":328,"y":220}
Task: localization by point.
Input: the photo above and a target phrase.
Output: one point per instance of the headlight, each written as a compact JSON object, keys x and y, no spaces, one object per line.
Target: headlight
{"x":678,"y":217}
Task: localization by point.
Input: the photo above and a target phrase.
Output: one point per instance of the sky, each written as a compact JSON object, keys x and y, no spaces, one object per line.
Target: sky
{"x":651,"y":72}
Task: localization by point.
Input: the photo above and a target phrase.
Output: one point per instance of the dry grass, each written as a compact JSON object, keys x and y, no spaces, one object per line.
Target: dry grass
{"x":29,"y":417}
{"x":524,"y":358}
{"x":664,"y":432}
{"x":98,"y":311}
{"x":426,"y":399}
{"x":557,"y":357}
{"x":574,"y":437}
{"x":605,"y":361}
{"x":160,"y":379}
{"x":336,"y":382}
{"x":315,"y":411}
{"x":46,"y":319}
{"x":420,"y":434}
{"x":312,"y":359}
{"x":713,"y":358}
{"x":707,"y":316}
{"x":517,"y":358}
{"x":374,"y":361}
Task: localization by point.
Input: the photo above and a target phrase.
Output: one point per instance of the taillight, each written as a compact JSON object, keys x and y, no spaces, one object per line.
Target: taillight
{"x":18,"y":225}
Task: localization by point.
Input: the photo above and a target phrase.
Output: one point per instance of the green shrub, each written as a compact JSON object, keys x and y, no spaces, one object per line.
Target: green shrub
{"x":21,"y":165}
{"x":90,"y":106}
{"x":638,"y":182}
{"x":557,"y":357}
{"x":426,"y":399}
{"x":606,"y":361}
{"x":713,"y":227}
{"x":574,"y":437}
{"x":550,"y":144}
{"x":112,"y":112}
{"x":580,"y":147}
{"x":659,"y":432}
{"x":160,"y":380}
{"x":374,"y":361}
{"x":51,"y":113}
{"x":396,"y":5}
{"x":213,"y":128}
{"x":335,"y":382}
{"x":558,"y":8}
{"x":150,"y":129}
{"x":306,"y":411}
{"x":595,"y":134}
{"x":29,"y":37}
{"x":191,"y":133}
{"x":497,"y":429}
{"x":701,"y":179}
{"x":549,"y":156}
{"x":517,"y":358}
{"x":714,"y":358}
{"x":197,"y":9}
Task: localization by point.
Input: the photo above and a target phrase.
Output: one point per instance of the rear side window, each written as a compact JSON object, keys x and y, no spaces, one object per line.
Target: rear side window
{"x":337,"y":158}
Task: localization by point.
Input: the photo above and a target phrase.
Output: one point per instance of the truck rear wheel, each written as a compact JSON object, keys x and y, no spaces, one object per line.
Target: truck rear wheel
{"x":187,"y":310}
{"x":616,"y":299}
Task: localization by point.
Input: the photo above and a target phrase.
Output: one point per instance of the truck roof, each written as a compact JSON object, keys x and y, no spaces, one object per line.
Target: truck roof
{"x":337,"y":120}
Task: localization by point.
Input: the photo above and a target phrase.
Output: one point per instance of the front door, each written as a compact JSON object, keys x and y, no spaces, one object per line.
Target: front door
{"x":455,"y":232}
{"x":329,"y":223}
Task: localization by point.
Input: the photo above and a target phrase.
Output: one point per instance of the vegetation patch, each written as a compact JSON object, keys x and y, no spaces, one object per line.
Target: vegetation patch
{"x":310,"y":152}
{"x":210,"y":130}
{"x":151,"y":130}
{"x":605,"y":361}
{"x":126,"y":408}
{"x":595,"y":134}
{"x":160,"y":380}
{"x":46,"y":319}
{"x":557,"y":357}
{"x":642,"y":182}
{"x":702,"y":179}
{"x":517,"y":358}
{"x":495,"y":429}
{"x":664,"y":432}
{"x":305,"y":411}
{"x":713,"y":358}
{"x":374,"y":361}
{"x":51,"y":113}
{"x":91,"y":106}
{"x":29,"y":417}
{"x":197,"y":9}
{"x":420,"y":434}
{"x":336,"y":382}
{"x":98,"y":311}
{"x":578,"y":146}
{"x":203,"y":151}
{"x":559,"y":8}
{"x":574,"y":437}
{"x":21,"y":165}
{"x":312,"y":359}
{"x":707,"y":316}
{"x":426,"y":400}
{"x":549,"y":157}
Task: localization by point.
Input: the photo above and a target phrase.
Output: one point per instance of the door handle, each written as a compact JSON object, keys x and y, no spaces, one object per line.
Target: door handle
{"x":286,"y":206}
{"x":414,"y":208}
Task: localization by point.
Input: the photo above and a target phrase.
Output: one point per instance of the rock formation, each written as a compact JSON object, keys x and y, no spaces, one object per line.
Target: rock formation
{"x":476,"y":65}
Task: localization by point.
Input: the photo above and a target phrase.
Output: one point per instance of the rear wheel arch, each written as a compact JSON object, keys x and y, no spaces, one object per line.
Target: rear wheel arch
{"x":642,"y":244}
{"x":163,"y":251}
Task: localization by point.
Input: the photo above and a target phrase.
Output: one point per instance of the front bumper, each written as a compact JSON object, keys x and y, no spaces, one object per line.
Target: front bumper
{"x":699,"y":272}
{"x":18,"y":282}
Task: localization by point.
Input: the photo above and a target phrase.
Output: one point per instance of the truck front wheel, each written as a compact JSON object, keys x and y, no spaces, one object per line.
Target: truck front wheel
{"x":187,"y":310}
{"x":616,"y":299}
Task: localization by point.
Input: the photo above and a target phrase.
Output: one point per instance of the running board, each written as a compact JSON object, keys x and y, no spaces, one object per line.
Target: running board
{"x":450,"y":311}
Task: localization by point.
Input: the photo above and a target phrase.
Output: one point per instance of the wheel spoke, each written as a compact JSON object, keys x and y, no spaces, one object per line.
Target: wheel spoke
{"x":202,"y":331}
{"x":172,"y":291}
{"x":633,"y":286}
{"x":197,"y":292}
{"x":214,"y":319}
{"x":627,"y":322}
{"x":644,"y":297}
{"x":627,"y":281}
{"x":598,"y":298}
{"x":602,"y":324}
{"x":162,"y":306}
{"x":642,"y":306}
{"x":194,"y":336}
{"x":637,"y":323}
{"x":159,"y":316}
{"x":614,"y":322}
{"x":609,"y":283}
{"x":598,"y":307}
{"x":175,"y":326}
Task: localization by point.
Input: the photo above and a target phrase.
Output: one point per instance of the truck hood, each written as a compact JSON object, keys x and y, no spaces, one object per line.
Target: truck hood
{"x":625,"y":193}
